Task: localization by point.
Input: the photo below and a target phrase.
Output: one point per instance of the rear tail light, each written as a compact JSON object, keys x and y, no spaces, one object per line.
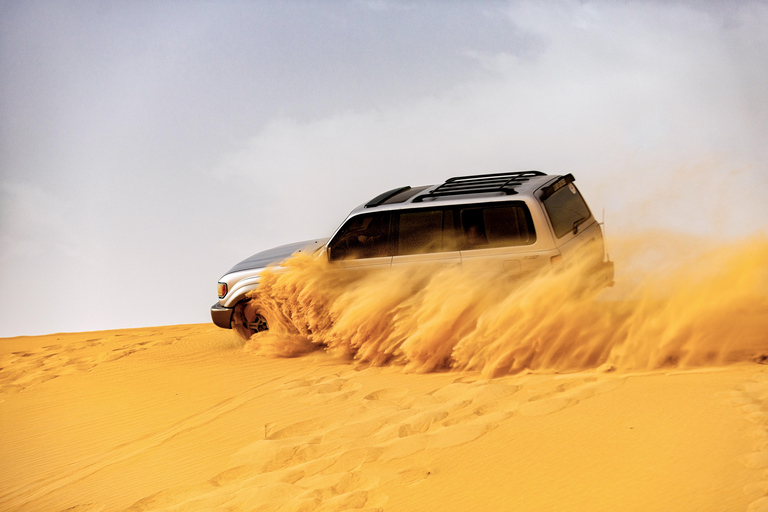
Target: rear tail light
{"x":556,"y":260}
{"x":223,"y":289}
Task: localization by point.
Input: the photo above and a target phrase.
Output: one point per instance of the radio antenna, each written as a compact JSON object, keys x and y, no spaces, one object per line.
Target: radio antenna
{"x":605,"y":238}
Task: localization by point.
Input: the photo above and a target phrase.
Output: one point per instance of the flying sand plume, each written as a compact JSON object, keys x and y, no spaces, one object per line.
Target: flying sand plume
{"x":711,"y":309}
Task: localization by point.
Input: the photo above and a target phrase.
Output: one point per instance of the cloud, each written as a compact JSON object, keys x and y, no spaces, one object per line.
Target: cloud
{"x":648,"y":114}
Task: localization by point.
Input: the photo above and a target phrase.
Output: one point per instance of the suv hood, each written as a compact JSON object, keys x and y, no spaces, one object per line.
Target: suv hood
{"x":278,"y":254}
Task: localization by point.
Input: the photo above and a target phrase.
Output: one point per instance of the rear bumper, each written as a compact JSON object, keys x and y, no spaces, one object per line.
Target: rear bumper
{"x":221,"y":316}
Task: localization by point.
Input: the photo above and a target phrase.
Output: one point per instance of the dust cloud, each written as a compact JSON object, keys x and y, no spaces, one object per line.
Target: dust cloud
{"x":679,"y":302}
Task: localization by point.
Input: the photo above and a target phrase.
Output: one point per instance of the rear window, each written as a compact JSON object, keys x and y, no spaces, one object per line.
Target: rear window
{"x":566,"y":209}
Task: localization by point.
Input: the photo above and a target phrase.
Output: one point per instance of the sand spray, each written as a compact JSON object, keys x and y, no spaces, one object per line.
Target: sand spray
{"x":679,"y":302}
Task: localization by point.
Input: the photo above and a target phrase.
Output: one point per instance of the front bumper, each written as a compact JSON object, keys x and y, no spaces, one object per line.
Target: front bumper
{"x":221,"y":316}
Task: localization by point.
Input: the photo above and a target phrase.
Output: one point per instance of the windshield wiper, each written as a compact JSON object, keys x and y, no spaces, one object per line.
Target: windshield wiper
{"x":576,"y":224}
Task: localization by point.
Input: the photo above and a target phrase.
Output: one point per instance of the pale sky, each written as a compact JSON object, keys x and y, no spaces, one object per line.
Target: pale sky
{"x":146,"y":147}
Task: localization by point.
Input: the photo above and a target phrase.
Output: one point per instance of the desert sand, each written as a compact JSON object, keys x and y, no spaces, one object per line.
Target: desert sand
{"x":183,"y":418}
{"x":413,"y":391}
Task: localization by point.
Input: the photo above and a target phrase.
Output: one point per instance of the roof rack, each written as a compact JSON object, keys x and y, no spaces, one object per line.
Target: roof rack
{"x":499,"y":182}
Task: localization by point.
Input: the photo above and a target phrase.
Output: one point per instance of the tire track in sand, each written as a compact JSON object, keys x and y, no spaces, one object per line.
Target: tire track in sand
{"x":25,"y":369}
{"x":22,"y":495}
{"x":320,"y":463}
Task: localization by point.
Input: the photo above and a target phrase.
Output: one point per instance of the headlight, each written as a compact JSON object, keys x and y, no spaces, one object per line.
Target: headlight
{"x":223,"y":289}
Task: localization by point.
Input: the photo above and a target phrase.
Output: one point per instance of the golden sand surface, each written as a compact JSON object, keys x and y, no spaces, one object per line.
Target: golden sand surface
{"x":415,"y":389}
{"x":184,"y":418}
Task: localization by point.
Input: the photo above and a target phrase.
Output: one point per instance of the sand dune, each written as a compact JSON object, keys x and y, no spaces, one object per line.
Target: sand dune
{"x":183,"y":418}
{"x":414,"y":390}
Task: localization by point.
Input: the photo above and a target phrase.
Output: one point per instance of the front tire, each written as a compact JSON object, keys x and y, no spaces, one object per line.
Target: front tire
{"x":247,"y":320}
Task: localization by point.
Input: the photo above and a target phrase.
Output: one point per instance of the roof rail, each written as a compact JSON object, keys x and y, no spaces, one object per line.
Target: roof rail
{"x":499,"y":182}
{"x":376,"y":201}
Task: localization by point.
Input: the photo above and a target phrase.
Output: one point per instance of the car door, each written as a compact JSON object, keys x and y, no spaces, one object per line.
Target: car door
{"x":424,"y":237}
{"x":363,"y":241}
{"x":498,"y":238}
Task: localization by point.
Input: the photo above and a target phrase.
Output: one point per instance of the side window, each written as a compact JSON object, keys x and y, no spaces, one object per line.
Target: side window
{"x":364,"y":236}
{"x":473,"y":228}
{"x":420,"y":232}
{"x":566,"y":209}
{"x":496,"y":226}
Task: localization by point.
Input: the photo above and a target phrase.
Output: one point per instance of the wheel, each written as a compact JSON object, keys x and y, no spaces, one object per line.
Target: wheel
{"x":247,"y":320}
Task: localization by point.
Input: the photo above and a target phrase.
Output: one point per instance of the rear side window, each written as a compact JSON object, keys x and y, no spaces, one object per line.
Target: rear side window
{"x":566,"y":209}
{"x":364,"y":236}
{"x":497,"y":226}
{"x":425,"y":231}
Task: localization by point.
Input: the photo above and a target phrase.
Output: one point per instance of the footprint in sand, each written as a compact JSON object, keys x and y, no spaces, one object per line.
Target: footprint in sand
{"x":320,"y":463}
{"x":299,"y":385}
{"x":389,"y":396}
{"x":567,"y":394}
{"x":420,"y":423}
{"x":334,"y":391}
{"x":23,"y":369}
{"x":358,"y":430}
{"x":301,"y":428}
{"x":324,"y":390}
{"x":330,"y":386}
{"x":541,"y":407}
{"x":413,"y":476}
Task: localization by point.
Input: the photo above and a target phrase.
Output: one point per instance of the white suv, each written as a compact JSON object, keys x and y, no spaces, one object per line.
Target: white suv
{"x":514,"y":223}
